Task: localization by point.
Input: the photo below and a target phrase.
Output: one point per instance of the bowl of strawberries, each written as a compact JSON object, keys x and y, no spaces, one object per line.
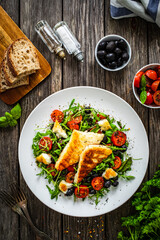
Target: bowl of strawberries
{"x":146,"y":85}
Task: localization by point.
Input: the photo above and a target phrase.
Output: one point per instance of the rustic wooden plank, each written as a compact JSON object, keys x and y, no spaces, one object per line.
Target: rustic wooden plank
{"x":8,"y":150}
{"x":86,"y":20}
{"x":120,"y":83}
{"x":154,"y":114}
{"x":31,"y":12}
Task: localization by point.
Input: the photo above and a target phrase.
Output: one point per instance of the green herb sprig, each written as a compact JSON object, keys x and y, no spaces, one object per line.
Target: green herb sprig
{"x":10,"y":119}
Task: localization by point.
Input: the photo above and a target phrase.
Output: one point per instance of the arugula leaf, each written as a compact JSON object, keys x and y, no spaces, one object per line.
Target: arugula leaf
{"x":126,"y":165}
{"x":16,"y":111}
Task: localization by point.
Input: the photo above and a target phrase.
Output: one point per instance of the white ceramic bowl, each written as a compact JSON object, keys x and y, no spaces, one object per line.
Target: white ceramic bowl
{"x":143,"y":69}
{"x":110,"y":38}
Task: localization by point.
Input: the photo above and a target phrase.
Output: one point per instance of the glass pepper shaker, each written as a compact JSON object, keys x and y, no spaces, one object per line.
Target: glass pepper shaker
{"x":49,"y":38}
{"x":68,"y":40}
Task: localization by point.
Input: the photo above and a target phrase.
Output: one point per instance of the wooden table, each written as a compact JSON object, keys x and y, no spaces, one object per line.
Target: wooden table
{"x":89,"y":20}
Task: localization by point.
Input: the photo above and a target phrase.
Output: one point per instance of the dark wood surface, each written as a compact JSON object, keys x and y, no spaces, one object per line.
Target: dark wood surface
{"x":90,"y":20}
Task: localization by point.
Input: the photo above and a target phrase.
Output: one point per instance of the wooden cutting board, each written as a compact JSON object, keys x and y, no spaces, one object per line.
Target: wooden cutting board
{"x":9,"y":32}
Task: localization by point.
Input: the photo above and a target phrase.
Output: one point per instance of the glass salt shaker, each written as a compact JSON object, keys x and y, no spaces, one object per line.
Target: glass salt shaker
{"x":49,"y":38}
{"x":68,"y":40}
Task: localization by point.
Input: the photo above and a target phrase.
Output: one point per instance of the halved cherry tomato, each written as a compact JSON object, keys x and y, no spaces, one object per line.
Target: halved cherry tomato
{"x":137,"y":79}
{"x":151,"y":74}
{"x":117,"y":162}
{"x":97,"y":183}
{"x":57,"y":115}
{"x":82,"y":191}
{"x":51,"y":167}
{"x":72,"y":125}
{"x":156,"y":98}
{"x":77,"y":119}
{"x":149,"y":99}
{"x":45,"y":144}
{"x":155,"y":85}
{"x":71,"y":168}
{"x":70,"y":177}
{"x":101,"y":116}
{"x":118,"y":138}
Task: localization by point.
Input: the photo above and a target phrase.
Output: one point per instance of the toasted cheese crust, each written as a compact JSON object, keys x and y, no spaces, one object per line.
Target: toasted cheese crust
{"x":45,"y":158}
{"x":59,"y":130}
{"x":109,"y":173}
{"x":104,"y":124}
{"x":64,"y":186}
{"x":89,"y":159}
{"x":78,"y":141}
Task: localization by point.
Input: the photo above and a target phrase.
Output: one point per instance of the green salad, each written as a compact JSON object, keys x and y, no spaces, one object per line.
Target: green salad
{"x":49,"y":145}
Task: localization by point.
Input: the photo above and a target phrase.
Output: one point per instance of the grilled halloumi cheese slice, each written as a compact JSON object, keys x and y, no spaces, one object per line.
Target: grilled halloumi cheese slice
{"x":59,"y":130}
{"x":64,"y":186}
{"x":89,"y":159}
{"x":78,"y":141}
{"x":45,"y":158}
{"x":109,"y":173}
{"x":104,"y":124}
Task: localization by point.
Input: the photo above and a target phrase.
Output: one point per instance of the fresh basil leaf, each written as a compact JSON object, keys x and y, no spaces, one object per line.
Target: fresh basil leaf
{"x":16,"y":111}
{"x":143,"y":81}
{"x":13,"y":123}
{"x":8,"y":116}
{"x":3,"y":122}
{"x":143,"y":96}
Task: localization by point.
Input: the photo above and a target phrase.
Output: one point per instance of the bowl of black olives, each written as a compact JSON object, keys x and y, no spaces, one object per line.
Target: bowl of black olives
{"x":113,"y":52}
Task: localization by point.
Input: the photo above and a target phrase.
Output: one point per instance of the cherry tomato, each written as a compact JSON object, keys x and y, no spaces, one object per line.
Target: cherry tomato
{"x":155,"y":85}
{"x":117,"y":162}
{"x":82,"y":191}
{"x":57,"y":115}
{"x":118,"y":138}
{"x":71,"y":168}
{"x":149,"y":99}
{"x":137,"y":79}
{"x":77,"y":119}
{"x":45,"y":144}
{"x":97,"y":183}
{"x":72,"y":125}
{"x":101,"y":116}
{"x":156,"y":98}
{"x":70,"y":177}
{"x":51,"y":167}
{"x":151,"y":74}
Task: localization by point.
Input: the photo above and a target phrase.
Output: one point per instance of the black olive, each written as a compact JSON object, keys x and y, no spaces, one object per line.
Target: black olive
{"x":102,"y":45}
{"x":88,"y":179}
{"x":104,"y":139}
{"x":90,"y":121}
{"x":118,"y":51}
{"x":116,"y":178}
{"x":103,"y":61}
{"x":87,"y":110}
{"x":125,"y":56}
{"x":107,"y":184}
{"x":69,"y":192}
{"x":115,"y":183}
{"x":101,"y":54}
{"x":113,"y":65}
{"x":92,"y":191}
{"x":110,"y":57}
{"x":95,"y":175}
{"x":119,"y":62}
{"x":110,"y":46}
{"x":116,"y":42}
{"x":124,"y":146}
{"x":122,"y":44}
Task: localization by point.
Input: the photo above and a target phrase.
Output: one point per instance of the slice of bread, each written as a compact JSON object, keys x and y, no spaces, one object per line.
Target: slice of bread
{"x":8,"y":74}
{"x":22,"y":58}
{"x":3,"y":82}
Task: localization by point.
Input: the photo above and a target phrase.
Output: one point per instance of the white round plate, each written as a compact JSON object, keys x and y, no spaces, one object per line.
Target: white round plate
{"x":103,"y":101}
